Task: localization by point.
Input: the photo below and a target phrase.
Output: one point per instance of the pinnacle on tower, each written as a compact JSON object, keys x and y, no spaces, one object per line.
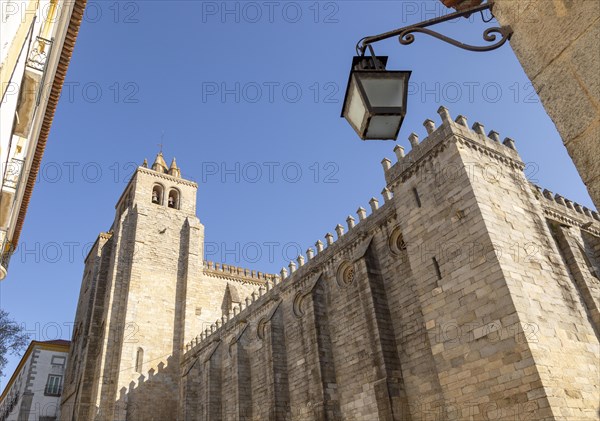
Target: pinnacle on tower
{"x":159,"y":164}
{"x":145,"y":163}
{"x":174,"y":169}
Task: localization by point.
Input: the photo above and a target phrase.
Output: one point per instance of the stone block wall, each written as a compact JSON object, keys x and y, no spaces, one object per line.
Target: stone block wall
{"x":450,"y":301}
{"x":558,"y":45}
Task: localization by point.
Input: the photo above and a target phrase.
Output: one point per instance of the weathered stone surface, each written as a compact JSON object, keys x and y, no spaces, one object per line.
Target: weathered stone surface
{"x":558,"y":45}
{"x":584,"y":151}
{"x":543,"y":30}
{"x":585,"y":58}
{"x":561,"y":88}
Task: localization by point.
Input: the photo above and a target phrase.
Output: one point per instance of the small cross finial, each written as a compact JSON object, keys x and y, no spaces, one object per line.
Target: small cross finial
{"x":162,"y":138}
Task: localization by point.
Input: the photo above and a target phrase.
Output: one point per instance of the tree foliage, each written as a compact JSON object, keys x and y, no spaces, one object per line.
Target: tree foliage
{"x":12,"y":339}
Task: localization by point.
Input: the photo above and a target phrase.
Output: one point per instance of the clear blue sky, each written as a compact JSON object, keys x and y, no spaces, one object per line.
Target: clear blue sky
{"x":143,"y":68}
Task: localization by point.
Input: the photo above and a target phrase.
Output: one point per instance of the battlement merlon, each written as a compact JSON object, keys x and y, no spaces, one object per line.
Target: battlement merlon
{"x":554,"y":205}
{"x":235,"y":273}
{"x":436,"y":140}
{"x":566,"y":211}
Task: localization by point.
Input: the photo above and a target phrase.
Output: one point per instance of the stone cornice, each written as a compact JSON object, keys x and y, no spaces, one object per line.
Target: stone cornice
{"x":566,"y":211}
{"x":513,"y":162}
{"x":567,"y":219}
{"x":167,"y":177}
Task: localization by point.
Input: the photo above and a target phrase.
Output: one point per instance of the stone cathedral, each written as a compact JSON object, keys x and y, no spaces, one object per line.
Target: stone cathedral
{"x":465,"y":293}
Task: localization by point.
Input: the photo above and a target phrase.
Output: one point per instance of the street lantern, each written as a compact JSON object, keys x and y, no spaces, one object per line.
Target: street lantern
{"x":375,"y":102}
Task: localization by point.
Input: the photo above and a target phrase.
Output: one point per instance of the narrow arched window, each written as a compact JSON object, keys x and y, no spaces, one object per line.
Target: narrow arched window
{"x":173,"y":200}
{"x":157,"y":194}
{"x":139,"y":360}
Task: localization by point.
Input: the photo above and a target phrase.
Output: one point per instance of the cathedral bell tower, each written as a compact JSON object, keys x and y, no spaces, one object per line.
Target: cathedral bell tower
{"x":132,"y":313}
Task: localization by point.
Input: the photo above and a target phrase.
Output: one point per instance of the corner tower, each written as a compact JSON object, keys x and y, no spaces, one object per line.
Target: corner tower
{"x":133,"y":316}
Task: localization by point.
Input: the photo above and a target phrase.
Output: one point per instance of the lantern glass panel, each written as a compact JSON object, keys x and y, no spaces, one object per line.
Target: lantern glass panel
{"x":384,"y":89}
{"x":383,"y":127}
{"x":356,"y":107}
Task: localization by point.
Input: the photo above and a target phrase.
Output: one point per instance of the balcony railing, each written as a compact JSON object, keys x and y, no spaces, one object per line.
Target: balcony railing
{"x":6,"y":251}
{"x":14,"y":173}
{"x":39,"y":53}
{"x":38,"y":60}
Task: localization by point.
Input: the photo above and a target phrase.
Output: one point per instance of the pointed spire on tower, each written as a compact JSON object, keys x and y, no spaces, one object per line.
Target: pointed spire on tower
{"x":174,"y":169}
{"x":145,"y":163}
{"x":159,"y":164}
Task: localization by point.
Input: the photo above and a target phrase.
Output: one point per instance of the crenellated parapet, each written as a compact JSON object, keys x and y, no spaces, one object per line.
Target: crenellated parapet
{"x":437,"y":139}
{"x":235,"y":273}
{"x":566,"y":211}
{"x":377,"y":318}
{"x":299,"y":272}
{"x":344,"y":237}
{"x":326,"y":251}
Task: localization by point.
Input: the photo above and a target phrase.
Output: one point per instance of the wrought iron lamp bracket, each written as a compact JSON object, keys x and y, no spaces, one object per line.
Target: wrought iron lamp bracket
{"x":406,"y":37}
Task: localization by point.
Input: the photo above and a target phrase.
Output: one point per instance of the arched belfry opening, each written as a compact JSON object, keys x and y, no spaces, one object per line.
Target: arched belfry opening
{"x":157,"y":194}
{"x":173,"y":200}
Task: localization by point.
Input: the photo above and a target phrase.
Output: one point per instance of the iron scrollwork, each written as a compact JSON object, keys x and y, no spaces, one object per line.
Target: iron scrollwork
{"x":406,"y":37}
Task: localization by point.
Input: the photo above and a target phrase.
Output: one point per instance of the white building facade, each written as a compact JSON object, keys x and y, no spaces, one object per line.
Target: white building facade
{"x":34,"y":390}
{"x":36,"y":42}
